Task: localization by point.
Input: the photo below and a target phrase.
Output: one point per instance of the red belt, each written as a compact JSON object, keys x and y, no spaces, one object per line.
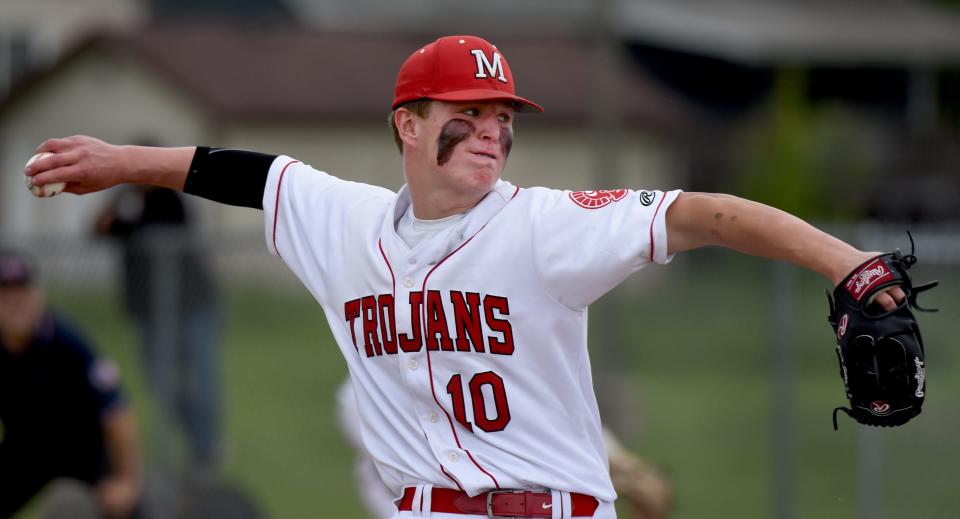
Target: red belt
{"x":499,"y":503}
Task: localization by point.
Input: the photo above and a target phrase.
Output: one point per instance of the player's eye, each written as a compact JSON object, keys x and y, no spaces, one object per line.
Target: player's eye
{"x":504,"y":118}
{"x":471,"y":111}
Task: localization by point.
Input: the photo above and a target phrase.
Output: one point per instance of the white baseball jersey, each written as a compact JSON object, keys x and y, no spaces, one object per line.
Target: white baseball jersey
{"x":468,"y":352}
{"x":376,"y":497}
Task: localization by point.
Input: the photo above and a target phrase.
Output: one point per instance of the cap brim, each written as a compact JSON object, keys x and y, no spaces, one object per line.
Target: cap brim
{"x":480,"y":94}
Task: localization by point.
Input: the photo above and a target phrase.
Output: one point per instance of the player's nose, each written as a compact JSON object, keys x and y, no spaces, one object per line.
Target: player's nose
{"x":488,"y":128}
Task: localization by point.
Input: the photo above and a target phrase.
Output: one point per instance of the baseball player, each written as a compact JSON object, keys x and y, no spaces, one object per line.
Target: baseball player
{"x":460,"y":302}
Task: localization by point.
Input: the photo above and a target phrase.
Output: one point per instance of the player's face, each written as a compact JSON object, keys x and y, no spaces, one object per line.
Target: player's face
{"x":467,"y":144}
{"x":21,"y":308}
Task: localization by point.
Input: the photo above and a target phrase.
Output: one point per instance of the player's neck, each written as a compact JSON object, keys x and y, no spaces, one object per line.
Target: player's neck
{"x":438,"y":209}
{"x":433,"y":202}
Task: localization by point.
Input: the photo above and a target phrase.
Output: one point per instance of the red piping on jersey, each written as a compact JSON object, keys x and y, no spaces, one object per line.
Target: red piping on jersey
{"x":393,"y":277}
{"x":424,"y":335}
{"x":423,"y":289}
{"x":276,"y":205}
{"x":455,"y":482}
{"x":652,"y":220}
{"x":393,"y":292}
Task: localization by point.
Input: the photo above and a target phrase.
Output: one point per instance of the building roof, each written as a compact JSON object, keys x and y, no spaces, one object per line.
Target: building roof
{"x":823,"y":32}
{"x":290,"y":74}
{"x":885,"y":32}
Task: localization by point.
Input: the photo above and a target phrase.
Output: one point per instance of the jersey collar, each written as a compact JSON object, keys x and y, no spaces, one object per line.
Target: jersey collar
{"x":473,"y":221}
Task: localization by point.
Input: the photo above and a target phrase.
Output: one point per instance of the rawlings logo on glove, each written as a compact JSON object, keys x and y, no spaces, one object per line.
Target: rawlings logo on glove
{"x":874,"y":272}
{"x":880,"y":352}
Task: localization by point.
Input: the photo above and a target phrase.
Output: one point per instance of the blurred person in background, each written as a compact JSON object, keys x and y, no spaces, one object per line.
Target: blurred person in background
{"x":160,"y":258}
{"x":61,"y":407}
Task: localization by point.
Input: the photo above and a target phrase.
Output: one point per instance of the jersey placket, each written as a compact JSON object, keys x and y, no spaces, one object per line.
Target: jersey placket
{"x":455,"y":457}
{"x":437,"y":424}
{"x":413,"y":365}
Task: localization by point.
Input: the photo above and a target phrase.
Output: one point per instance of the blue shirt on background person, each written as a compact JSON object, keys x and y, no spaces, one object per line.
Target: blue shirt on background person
{"x":61,"y":406}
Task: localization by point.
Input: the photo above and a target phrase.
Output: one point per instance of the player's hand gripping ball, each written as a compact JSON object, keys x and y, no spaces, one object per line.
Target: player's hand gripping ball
{"x":881,"y":353}
{"x":45,"y":191}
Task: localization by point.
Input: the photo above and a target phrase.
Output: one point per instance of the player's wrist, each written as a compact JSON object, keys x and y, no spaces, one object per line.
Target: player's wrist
{"x":164,"y":167}
{"x":839,"y":270}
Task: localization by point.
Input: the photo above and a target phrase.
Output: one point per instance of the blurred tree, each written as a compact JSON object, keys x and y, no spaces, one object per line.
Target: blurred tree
{"x":803,"y":159}
{"x":949,"y":90}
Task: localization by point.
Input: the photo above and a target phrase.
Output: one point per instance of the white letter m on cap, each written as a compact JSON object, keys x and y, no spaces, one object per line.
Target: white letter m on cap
{"x":484,"y":66}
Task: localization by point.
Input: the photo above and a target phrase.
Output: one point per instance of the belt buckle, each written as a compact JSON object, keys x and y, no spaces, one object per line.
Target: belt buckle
{"x":491,"y":493}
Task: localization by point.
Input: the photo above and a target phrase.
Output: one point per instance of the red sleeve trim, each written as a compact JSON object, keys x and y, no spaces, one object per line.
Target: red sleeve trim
{"x":652,"y":222}
{"x":276,"y":205}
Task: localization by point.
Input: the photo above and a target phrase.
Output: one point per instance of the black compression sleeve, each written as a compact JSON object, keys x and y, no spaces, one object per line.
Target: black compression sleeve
{"x":233,"y":177}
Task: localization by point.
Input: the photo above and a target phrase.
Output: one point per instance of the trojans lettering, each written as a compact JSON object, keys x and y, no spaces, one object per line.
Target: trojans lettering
{"x":374,"y":319}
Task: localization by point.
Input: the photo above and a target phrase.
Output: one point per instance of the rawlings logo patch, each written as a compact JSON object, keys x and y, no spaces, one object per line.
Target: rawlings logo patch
{"x":597,"y":199}
{"x":920,"y":376}
{"x":842,"y":325}
{"x":869,"y":275}
{"x":647,"y":197}
{"x":879,"y":407}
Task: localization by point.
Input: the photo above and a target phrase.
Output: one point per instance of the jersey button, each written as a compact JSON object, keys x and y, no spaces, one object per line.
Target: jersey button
{"x":434,"y":417}
{"x":407,"y":282}
{"x":453,"y":456}
{"x":413,"y":364}
{"x":411,"y":260}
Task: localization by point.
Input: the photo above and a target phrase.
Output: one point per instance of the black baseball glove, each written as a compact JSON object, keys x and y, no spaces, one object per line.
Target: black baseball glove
{"x":880,"y":352}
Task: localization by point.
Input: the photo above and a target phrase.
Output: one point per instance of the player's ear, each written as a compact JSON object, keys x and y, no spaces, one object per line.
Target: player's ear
{"x":407,"y":125}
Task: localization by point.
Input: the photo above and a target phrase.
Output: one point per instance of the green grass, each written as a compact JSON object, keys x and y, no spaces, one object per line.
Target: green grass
{"x":695,"y":350}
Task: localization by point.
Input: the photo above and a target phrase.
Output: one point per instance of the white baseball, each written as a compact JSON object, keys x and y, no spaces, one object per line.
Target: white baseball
{"x":45,"y":191}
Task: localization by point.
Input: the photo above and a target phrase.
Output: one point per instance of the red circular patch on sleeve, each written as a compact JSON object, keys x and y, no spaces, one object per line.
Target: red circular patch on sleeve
{"x":597,"y":199}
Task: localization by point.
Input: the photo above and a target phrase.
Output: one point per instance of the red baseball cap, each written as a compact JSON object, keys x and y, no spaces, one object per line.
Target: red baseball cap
{"x":458,"y":68}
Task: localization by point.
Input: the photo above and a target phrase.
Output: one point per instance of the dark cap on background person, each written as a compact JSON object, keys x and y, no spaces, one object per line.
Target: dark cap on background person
{"x":16,"y":269}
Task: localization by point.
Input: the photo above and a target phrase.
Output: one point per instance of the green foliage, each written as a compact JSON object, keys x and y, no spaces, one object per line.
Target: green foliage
{"x":808,"y":161}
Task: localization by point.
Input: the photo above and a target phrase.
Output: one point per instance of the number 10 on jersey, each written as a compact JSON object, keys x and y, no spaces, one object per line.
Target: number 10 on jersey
{"x":482,"y":388}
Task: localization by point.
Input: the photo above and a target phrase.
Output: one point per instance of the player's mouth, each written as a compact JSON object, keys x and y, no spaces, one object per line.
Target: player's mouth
{"x":485,"y":155}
